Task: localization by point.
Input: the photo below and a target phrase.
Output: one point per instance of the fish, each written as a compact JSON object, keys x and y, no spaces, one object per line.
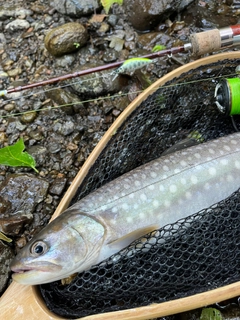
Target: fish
{"x":131,"y":65}
{"x":145,"y":199}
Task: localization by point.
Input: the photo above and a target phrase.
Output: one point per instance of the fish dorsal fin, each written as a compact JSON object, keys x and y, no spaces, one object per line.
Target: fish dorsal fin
{"x":109,"y":249}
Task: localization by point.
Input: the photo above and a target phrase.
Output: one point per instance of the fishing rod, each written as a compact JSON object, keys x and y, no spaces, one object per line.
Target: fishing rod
{"x":200,"y":43}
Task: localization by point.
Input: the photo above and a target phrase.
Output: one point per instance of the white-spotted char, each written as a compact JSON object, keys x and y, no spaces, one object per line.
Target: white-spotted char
{"x":158,"y":193}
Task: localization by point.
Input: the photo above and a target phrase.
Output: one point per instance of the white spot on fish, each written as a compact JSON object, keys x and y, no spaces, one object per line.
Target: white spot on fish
{"x":211,"y":151}
{"x":143,"y":197}
{"x":129,"y":219}
{"x":197,"y":155}
{"x":173,"y":188}
{"x":206,"y":186}
{"x":125,"y":206}
{"x":233,"y":141}
{"x":151,"y":187}
{"x":153,"y":174}
{"x":183,"y":181}
{"x":137,"y":183}
{"x":135,"y":206}
{"x":194,"y":179}
{"x":165,"y":168}
{"x":126,"y":186}
{"x":176,"y":171}
{"x":237,"y":164}
{"x":180,"y":201}
{"x":141,"y":215}
{"x":224,"y":162}
{"x":161,"y":188}
{"x":183,"y":163}
{"x":114,"y":210}
{"x":167,"y":203}
{"x":123,"y":194}
{"x":212,"y":171}
{"x":131,"y":195}
{"x":155,"y":203}
{"x":227,"y":148}
{"x":188,"y":195}
{"x":229,"y":178}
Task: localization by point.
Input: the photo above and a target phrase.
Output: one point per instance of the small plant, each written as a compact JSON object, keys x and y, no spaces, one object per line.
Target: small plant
{"x":158,"y":47}
{"x":4,"y":238}
{"x":107,"y":4}
{"x":76,"y":44}
{"x":15,"y":156}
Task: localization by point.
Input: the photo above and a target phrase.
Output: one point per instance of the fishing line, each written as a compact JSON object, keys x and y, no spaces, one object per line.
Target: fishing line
{"x":100,"y":98}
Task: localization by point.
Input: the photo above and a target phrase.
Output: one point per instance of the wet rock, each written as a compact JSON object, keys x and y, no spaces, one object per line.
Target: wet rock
{"x":28,"y":117}
{"x":76,"y":8}
{"x":2,"y":41}
{"x":66,"y":38}
{"x":64,"y":99}
{"x":14,"y":126}
{"x":92,"y":85}
{"x":38,"y":153}
{"x":12,"y":225}
{"x":13,"y":12}
{"x":110,"y":55}
{"x":9,"y":107}
{"x":149,"y":40}
{"x":144,"y":15}
{"x":67,"y":128}
{"x":112,"y":20}
{"x":65,"y":61}
{"x":17,"y":24}
{"x":5,"y":205}
{"x":24,"y":192}
{"x":14,"y":72}
{"x":58,"y":186}
{"x":6,"y":256}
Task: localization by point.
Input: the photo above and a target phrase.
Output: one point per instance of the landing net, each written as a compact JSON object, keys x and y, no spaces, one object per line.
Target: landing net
{"x":193,"y":255}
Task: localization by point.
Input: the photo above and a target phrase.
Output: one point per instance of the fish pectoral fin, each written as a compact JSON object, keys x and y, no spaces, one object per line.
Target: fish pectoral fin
{"x":110,"y":248}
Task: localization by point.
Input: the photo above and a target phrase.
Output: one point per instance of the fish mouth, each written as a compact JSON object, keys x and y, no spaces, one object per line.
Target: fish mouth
{"x":42,"y":267}
{"x":23,"y":270}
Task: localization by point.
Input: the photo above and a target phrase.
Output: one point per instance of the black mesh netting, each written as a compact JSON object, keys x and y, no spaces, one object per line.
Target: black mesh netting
{"x":193,"y":255}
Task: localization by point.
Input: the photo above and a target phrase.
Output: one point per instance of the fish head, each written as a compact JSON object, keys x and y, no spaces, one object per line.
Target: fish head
{"x":68,"y":244}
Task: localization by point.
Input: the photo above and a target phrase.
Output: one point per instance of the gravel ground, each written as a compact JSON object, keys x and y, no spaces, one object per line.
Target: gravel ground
{"x":60,"y":138}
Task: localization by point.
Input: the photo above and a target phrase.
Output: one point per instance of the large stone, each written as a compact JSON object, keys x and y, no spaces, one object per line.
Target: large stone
{"x":144,"y":15}
{"x":66,"y":38}
{"x":18,"y":24}
{"x":76,"y":8}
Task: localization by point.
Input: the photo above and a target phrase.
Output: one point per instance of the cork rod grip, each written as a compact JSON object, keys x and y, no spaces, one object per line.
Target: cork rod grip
{"x":205,"y":42}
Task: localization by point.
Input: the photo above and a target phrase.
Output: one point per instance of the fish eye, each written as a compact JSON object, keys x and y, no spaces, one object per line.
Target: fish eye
{"x":38,"y":248}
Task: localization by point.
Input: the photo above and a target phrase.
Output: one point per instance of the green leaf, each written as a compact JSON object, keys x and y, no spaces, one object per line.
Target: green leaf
{"x":211,"y":314}
{"x":5,"y":238}
{"x":107,"y":4}
{"x":158,"y":47}
{"x":15,"y":157}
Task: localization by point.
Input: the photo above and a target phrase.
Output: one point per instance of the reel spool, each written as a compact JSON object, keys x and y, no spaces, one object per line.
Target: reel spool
{"x":227,"y":95}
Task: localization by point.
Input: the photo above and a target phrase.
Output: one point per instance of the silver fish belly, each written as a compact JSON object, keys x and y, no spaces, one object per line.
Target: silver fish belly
{"x":151,"y":196}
